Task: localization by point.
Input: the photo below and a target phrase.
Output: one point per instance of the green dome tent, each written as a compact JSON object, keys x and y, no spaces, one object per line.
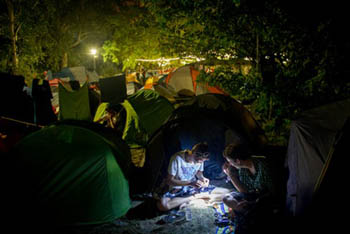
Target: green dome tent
{"x":70,"y":175}
{"x":141,"y":115}
{"x":214,"y":118}
{"x":146,"y":112}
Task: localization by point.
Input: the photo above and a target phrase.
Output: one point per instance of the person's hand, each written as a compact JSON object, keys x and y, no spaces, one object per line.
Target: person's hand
{"x":226,"y":168}
{"x":229,"y":170}
{"x":205,"y":182}
{"x":196,"y":184}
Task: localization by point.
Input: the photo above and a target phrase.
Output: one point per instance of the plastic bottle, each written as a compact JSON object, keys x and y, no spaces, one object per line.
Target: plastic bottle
{"x":188,"y":214}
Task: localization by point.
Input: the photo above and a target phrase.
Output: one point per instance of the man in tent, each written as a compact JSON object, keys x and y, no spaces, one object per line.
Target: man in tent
{"x":185,"y":178}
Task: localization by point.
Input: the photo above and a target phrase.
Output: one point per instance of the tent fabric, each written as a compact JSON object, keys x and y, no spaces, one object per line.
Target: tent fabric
{"x":79,"y":74}
{"x":70,"y":175}
{"x":150,"y":82}
{"x":311,"y":138}
{"x":133,"y":132}
{"x":146,"y":111}
{"x":180,"y":79}
{"x":185,"y":78}
{"x":151,"y":108}
{"x":132,"y":87}
{"x":235,"y":112}
{"x":74,"y":104}
{"x":166,"y":92}
{"x":132,"y":77}
{"x":214,"y":118}
{"x":73,"y":73}
{"x":101,"y":111}
{"x":92,"y":76}
{"x":113,"y":89}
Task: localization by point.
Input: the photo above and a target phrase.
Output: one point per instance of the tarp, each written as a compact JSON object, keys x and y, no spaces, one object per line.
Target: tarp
{"x":113,"y":89}
{"x":74,"y":104}
{"x":311,"y":138}
{"x":70,"y":73}
{"x":70,"y":175}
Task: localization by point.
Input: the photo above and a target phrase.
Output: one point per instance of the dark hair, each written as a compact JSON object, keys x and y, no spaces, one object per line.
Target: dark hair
{"x":201,"y":149}
{"x":237,"y":151}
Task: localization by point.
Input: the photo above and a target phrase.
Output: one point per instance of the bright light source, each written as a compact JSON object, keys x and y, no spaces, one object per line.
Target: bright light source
{"x":93,"y":51}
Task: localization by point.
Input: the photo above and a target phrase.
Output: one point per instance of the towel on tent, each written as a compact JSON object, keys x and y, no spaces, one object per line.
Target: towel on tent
{"x":113,"y":89}
{"x":74,"y":104}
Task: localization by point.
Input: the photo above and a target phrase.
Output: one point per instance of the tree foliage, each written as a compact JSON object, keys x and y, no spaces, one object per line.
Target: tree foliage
{"x":133,"y":37}
{"x":296,"y":58}
{"x":49,"y":32}
{"x":295,"y":51}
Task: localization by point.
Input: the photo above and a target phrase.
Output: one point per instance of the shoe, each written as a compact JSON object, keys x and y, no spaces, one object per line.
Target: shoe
{"x":222,"y":222}
{"x":171,"y":218}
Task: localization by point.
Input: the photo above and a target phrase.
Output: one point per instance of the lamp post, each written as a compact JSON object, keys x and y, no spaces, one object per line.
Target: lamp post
{"x":93,"y":53}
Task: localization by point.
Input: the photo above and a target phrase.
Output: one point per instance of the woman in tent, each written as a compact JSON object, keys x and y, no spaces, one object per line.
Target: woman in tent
{"x":252,"y":179}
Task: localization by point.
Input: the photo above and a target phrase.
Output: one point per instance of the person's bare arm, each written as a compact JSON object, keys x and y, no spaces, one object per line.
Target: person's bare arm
{"x":171,"y":180}
{"x":203,"y":179}
{"x":233,"y":175}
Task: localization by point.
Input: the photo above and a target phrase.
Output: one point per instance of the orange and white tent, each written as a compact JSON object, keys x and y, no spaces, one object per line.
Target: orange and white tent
{"x":184,"y":78}
{"x":150,"y":82}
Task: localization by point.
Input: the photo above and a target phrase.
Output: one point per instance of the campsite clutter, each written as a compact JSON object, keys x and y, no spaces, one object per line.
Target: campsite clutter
{"x":138,"y":120}
{"x":114,"y":138}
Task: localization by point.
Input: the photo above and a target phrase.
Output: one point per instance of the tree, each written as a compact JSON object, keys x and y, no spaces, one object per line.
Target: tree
{"x":41,"y":35}
{"x":139,"y":40}
{"x":296,"y":62}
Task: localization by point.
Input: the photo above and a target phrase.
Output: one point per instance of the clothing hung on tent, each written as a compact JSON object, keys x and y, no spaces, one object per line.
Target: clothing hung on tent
{"x":113,"y":89}
{"x":41,"y":94}
{"x":74,"y":104}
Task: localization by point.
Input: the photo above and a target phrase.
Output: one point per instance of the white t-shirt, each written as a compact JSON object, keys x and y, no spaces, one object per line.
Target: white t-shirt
{"x":182,"y":170}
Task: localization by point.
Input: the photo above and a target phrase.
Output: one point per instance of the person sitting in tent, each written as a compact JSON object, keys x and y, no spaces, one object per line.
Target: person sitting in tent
{"x":251,"y":178}
{"x":185,"y":178}
{"x":113,"y":117}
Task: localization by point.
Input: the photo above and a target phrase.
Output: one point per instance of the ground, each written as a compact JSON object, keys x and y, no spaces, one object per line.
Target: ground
{"x":143,"y":218}
{"x":202,"y":222}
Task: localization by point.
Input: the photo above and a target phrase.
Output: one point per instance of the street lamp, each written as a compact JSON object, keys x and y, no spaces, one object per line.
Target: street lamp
{"x":93,"y":52}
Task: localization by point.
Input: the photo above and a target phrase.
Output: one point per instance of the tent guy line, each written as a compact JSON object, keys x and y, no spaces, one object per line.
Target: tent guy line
{"x":21,"y":122}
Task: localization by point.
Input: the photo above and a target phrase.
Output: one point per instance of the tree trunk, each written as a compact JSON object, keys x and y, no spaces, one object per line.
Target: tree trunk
{"x":64,"y":62}
{"x":257,"y":52}
{"x":13,"y":36}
